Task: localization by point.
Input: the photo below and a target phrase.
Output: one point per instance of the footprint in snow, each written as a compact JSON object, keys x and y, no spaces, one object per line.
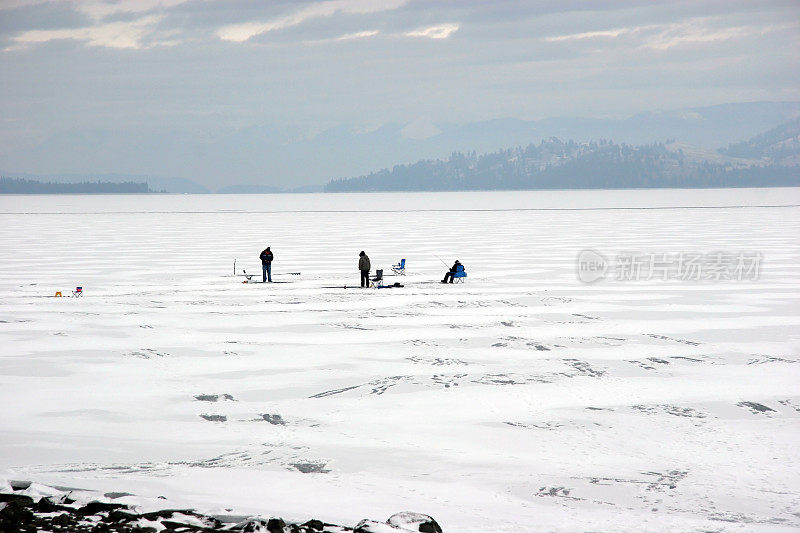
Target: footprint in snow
{"x":213,"y":397}
{"x":275,"y":420}
{"x":756,"y":408}
{"x":215,"y":418}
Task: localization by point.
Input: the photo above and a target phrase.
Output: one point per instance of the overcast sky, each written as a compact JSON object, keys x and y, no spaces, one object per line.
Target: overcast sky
{"x":213,"y":65}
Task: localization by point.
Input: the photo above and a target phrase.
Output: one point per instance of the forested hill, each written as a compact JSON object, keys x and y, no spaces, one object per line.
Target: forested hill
{"x":556,"y":164}
{"x":24,"y":186}
{"x":779,"y":145}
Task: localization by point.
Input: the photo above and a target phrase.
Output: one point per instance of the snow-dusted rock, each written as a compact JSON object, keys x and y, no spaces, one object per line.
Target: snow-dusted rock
{"x":414,"y":522}
{"x":38,"y":491}
{"x":260,"y":525}
{"x":154,"y":524}
{"x":404,"y":521}
{"x":35,"y":507}
{"x":372,"y":526}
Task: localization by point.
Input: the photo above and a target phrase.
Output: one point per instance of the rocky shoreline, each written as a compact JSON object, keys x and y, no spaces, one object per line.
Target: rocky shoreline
{"x":31,"y":507}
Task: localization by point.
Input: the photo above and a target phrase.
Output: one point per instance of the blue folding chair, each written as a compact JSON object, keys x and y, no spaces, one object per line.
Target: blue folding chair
{"x":460,"y":274}
{"x":400,"y":268}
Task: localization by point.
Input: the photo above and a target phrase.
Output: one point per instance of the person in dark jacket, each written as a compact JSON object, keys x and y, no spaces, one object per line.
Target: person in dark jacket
{"x":448,"y":277}
{"x":364,"y":266}
{"x":266,"y":264}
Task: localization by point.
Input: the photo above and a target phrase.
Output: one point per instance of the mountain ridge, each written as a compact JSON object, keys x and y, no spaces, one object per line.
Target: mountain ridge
{"x":556,"y":164}
{"x":291,"y":157}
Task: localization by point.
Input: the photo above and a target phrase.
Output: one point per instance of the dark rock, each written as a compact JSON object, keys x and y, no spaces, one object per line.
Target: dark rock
{"x":64,"y":520}
{"x":19,"y":514}
{"x":316,"y":525}
{"x":175,"y":522}
{"x":275,"y":525}
{"x":46,"y":506}
{"x":92,"y":508}
{"x":20,"y":485}
{"x":122,"y":515}
{"x":18,"y":498}
{"x":167,"y":513}
{"x":254,"y":524}
{"x":13,"y":515}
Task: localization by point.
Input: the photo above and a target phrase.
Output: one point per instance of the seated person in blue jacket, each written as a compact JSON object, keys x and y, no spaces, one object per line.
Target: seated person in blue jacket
{"x":448,"y":277}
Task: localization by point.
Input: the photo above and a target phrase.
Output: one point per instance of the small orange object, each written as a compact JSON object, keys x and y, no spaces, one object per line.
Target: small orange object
{"x":58,"y":294}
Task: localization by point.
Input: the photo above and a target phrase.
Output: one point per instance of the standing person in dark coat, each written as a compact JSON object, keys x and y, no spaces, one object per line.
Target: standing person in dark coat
{"x":448,"y":277}
{"x":364,"y":266}
{"x":266,"y":264}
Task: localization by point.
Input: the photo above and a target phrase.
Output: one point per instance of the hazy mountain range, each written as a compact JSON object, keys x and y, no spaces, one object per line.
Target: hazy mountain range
{"x":769,"y":159}
{"x":267,"y":159}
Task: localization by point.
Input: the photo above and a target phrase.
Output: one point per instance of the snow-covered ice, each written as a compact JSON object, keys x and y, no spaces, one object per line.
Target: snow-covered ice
{"x":524,"y":399}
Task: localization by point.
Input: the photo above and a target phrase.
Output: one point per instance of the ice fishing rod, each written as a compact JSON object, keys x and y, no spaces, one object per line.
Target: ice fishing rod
{"x":440,"y":259}
{"x":248,"y":276}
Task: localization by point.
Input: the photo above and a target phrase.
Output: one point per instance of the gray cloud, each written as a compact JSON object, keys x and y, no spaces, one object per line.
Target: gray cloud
{"x":41,"y":17}
{"x":156,"y":67}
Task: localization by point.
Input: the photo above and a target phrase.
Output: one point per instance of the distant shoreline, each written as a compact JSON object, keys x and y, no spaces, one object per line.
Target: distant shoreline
{"x":401,"y":191}
{"x":17,"y":186}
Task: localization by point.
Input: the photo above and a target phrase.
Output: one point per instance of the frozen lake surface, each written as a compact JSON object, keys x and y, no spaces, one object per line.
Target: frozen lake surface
{"x":525,"y":398}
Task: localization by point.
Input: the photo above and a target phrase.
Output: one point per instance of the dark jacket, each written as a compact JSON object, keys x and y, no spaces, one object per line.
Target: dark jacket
{"x":454,"y":267}
{"x":266,"y":256}
{"x":363,"y":263}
